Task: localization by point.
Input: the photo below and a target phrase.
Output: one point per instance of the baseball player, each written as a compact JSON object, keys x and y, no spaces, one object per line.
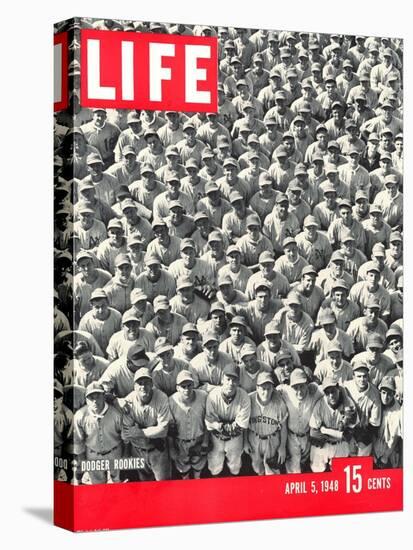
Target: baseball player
{"x":111,"y":247}
{"x":90,"y":231}
{"x":164,"y":245}
{"x":227,"y":416}
{"x":328,"y":333}
{"x":130,"y":334}
{"x":119,"y":288}
{"x":296,"y":326}
{"x":165,"y":323}
{"x":167,"y":367}
{"x":251,"y":368}
{"x":102,"y":321}
{"x":188,"y":437}
{"x":266,"y":437}
{"x":311,"y":295}
{"x":86,"y":368}
{"x":386,"y":442}
{"x":278,"y":282}
{"x":300,"y":396}
{"x":187,"y":303}
{"x":334,"y":366}
{"x":97,"y":429}
{"x":268,"y":350}
{"x":239,"y":273}
{"x":237,"y":339}
{"x":146,"y":418}
{"x":378,"y":363}
{"x":210,"y":363}
{"x":332,"y":423}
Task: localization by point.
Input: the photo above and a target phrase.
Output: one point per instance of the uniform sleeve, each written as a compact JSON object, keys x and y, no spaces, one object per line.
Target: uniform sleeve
{"x":242,"y":417}
{"x":163,"y":419}
{"x":211,"y":415}
{"x":375,"y":414}
{"x":79,"y":442}
{"x":316,"y":420}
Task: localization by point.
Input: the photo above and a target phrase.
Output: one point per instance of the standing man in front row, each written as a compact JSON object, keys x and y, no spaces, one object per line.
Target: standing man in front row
{"x":267,"y":434}
{"x":228,"y":411}
{"x":145,"y":426}
{"x":189,"y":438}
{"x":98,"y":434}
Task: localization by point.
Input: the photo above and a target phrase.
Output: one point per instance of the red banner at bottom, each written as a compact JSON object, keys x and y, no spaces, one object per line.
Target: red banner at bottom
{"x":351,"y":487}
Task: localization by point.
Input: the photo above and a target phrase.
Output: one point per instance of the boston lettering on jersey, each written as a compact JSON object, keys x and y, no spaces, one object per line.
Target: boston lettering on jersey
{"x":147,"y":71}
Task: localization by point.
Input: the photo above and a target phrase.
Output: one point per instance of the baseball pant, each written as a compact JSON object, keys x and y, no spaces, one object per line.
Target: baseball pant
{"x":261,"y":450}
{"x":364,"y":450}
{"x":187,"y":455}
{"x":101,"y":476}
{"x":321,"y":457}
{"x":231,"y":450}
{"x":156,"y":463}
{"x":298,"y":450}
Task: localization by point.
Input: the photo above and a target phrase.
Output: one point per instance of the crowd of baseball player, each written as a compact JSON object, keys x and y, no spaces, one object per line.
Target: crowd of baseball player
{"x":229,"y":287}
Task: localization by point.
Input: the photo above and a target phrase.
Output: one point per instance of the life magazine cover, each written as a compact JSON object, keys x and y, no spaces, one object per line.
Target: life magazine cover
{"x":228,"y":286}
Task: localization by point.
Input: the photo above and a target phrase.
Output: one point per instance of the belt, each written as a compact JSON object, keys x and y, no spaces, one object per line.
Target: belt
{"x":223,"y":437}
{"x":105,"y":452}
{"x":264,"y":437}
{"x":190,"y":440}
{"x":297,"y":434}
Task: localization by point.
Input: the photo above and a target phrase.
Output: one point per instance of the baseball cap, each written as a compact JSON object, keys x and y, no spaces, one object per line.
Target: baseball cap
{"x":388,"y":383}
{"x":141,"y":373}
{"x":262,"y":283}
{"x":191,"y":163}
{"x":202,"y":215}
{"x":238,"y":320}
{"x":375,"y":208}
{"x":233,"y":248}
{"x":309,"y":270}
{"x":326,"y":316}
{"x":97,"y":294}
{"x":265,"y":377}
{"x":283,"y":354}
{"x":373,"y":303}
{"x":253,"y":219}
{"x":187,"y":243}
{"x":215,"y":236}
{"x":217,"y":306}
{"x":337,"y":256}
{"x":378,"y":250}
{"x":272,"y":328}
{"x":392,"y":179}
{"x":298,"y":376}
{"x":122,"y":259}
{"x":211,"y":187}
{"x":84,"y":254}
{"x":334,"y":346}
{"x":114,"y":223}
{"x":293,"y":298}
{"x":94,"y":387}
{"x":393,"y":331}
{"x":184,"y":376}
{"x":375,"y":341}
{"x":152,"y":259}
{"x":371,"y":266}
{"x":281,"y":151}
{"x":230,"y":162}
{"x":310,"y":221}
{"x":300,"y":169}
{"x":127,"y":203}
{"x":224,"y":279}
{"x":146,"y":168}
{"x":235,"y":196}
{"x":84,"y":208}
{"x":281,"y":197}
{"x":160,"y":302}
{"x":162,"y":345}
{"x":231,"y":370}
{"x":340,"y":283}
{"x":266,"y":257}
{"x":158,"y":222}
{"x":396,"y":237}
{"x":129,"y":316}
{"x":359,"y":364}
{"x":94,"y":158}
{"x":207,"y":153}
{"x":329,"y":382}
{"x":360,"y":194}
{"x":184,"y":282}
{"x":289,"y":240}
{"x":247,"y":349}
{"x":137,"y":295}
{"x":189,"y":327}
{"x":333,"y":144}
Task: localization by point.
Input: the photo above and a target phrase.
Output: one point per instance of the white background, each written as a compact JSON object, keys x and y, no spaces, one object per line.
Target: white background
{"x":26,"y":273}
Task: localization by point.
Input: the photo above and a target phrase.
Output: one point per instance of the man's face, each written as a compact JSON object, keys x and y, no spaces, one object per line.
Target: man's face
{"x":217,"y":249}
{"x":348,"y":248}
{"x":173,"y":188}
{"x":154,"y":272}
{"x":237,"y":333}
{"x":265,"y":391}
{"x":211,"y":350}
{"x":100,"y":308}
{"x":332,"y":395}
{"x":99,"y":118}
{"x":250,"y":362}
{"x":372,"y":279}
{"x":161,"y":233}
{"x":310,"y":232}
{"x":188,"y":256}
{"x":253,"y":232}
{"x":386,"y":142}
{"x":123,"y":272}
{"x":115,"y":235}
{"x":131,"y":330}
{"x":299,"y":128}
{"x":337,"y":114}
{"x":95,"y":402}
{"x":166,"y":359}
{"x":337,"y":268}
{"x":143,"y":388}
{"x":301,"y":390}
{"x":295,"y":196}
{"x":399,"y":146}
{"x":395,"y":344}
{"x":267,"y":268}
{"x":373,"y":354}
{"x":340,"y":296}
{"x":362,"y":206}
{"x":274,"y":341}
{"x":331,"y":199}
{"x":385,"y":165}
{"x":354,"y":160}
{"x":372,"y":314}
{"x":396,"y":248}
{"x":262,"y":298}
{"x":291,"y":252}
{"x":361,"y":379}
{"x":289,"y":145}
{"x":130,"y":214}
{"x":129,"y":161}
{"x":330,"y":88}
{"x":230,"y":172}
{"x":387,"y":396}
{"x":140,"y":307}
{"x":335,"y":358}
{"x":185,"y":390}
{"x":294,"y":312}
{"x":86,"y":220}
{"x":322,"y":139}
{"x":287,"y":366}
{"x":176,"y":215}
{"x":282,"y":209}
{"x":213,"y":120}
{"x":391,"y":189}
{"x":218,"y":319}
{"x":234,"y":260}
{"x":187,"y":294}
{"x":136,"y":128}
{"x":330,"y":328}
{"x":152,"y":143}
{"x":189,"y":341}
{"x":308,"y":282}
{"x":229,"y":385}
{"x":192,"y":174}
{"x":86,"y":267}
{"x":387,"y":114}
{"x":227,"y":290}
